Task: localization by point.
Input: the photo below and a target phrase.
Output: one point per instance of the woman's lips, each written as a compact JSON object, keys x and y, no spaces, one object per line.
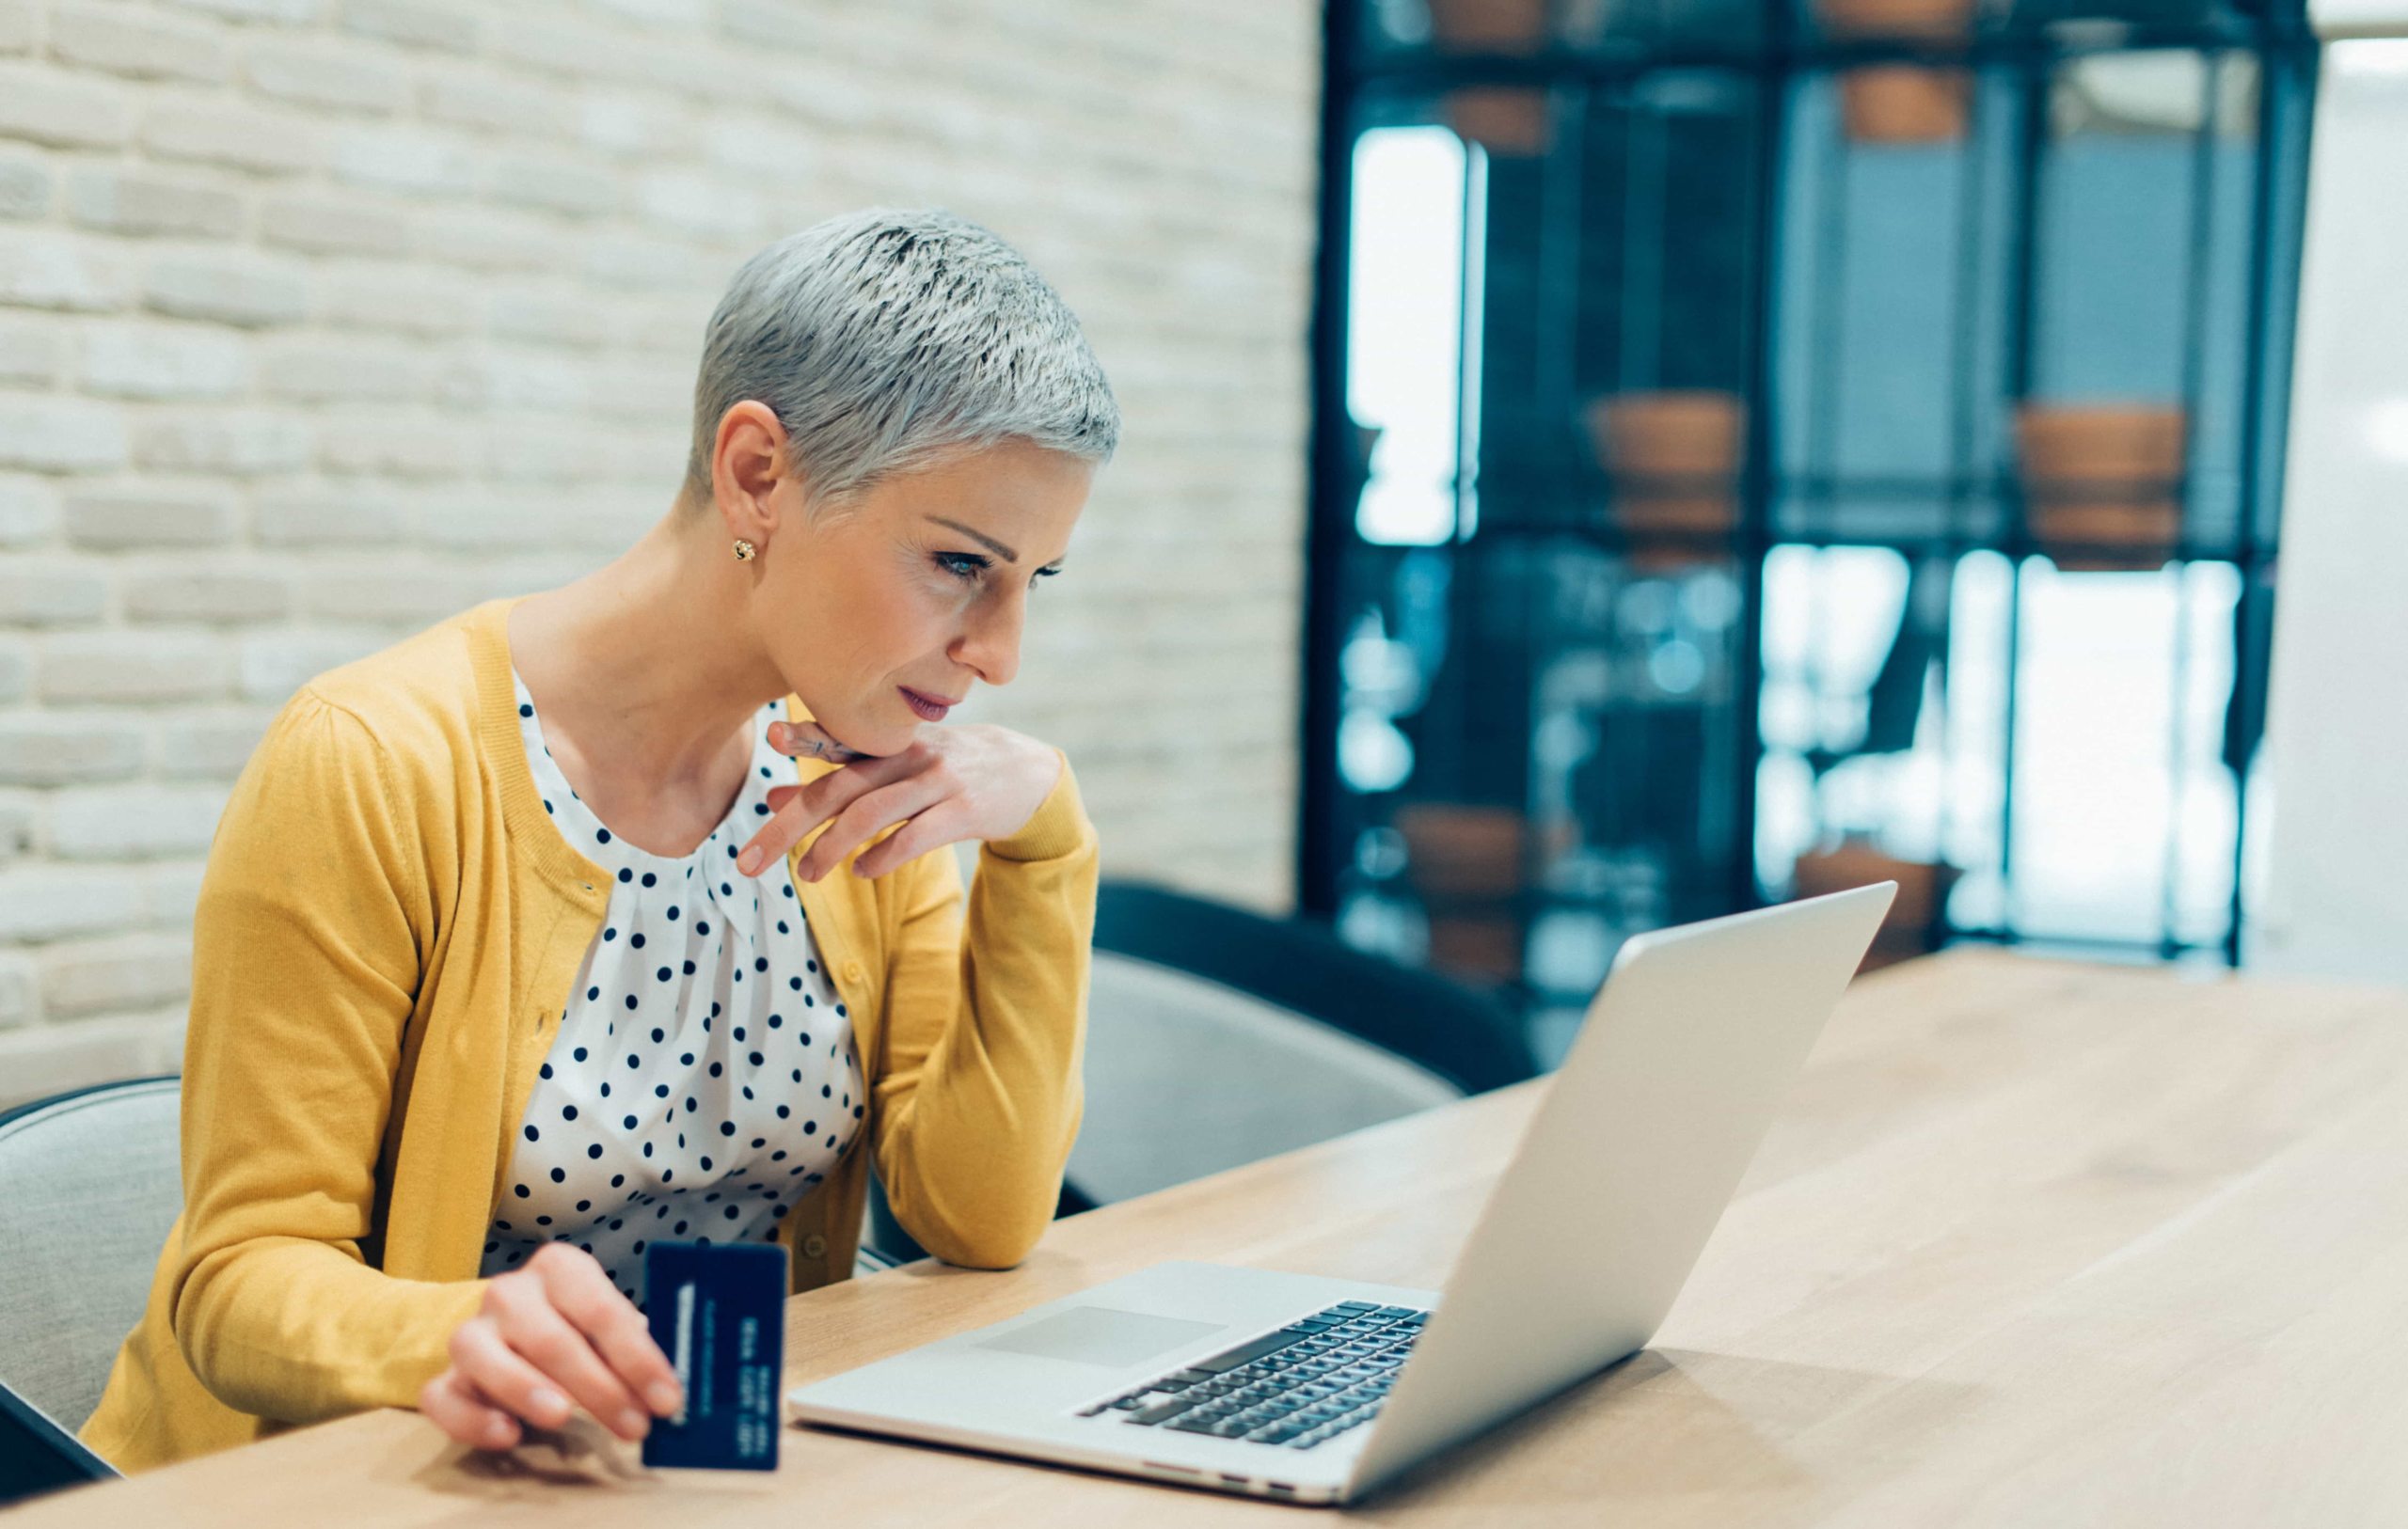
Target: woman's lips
{"x":928,"y":708}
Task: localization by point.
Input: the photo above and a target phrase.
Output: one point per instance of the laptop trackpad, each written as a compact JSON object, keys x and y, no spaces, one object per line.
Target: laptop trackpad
{"x":1100,"y":1335}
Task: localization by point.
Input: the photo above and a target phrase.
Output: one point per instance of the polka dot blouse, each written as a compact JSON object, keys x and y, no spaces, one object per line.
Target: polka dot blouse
{"x":704,"y":1075}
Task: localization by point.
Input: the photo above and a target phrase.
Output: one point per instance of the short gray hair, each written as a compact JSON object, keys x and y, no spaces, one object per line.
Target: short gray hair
{"x":884,"y":341}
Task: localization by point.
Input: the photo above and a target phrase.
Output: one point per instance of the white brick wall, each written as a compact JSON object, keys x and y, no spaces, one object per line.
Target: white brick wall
{"x":322,"y":318}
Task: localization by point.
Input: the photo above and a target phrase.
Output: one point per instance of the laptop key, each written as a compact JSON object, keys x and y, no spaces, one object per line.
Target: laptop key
{"x":1164,"y":1413}
{"x":1270,"y":1343}
{"x":1191,"y":1423}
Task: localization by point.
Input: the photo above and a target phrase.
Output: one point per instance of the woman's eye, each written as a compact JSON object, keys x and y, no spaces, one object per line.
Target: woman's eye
{"x":965,"y":566}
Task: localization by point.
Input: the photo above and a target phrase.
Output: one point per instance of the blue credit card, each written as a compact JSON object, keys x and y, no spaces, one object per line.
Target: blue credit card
{"x":719,"y":1313}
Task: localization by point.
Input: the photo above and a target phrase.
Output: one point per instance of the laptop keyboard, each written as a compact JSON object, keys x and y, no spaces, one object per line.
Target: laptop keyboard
{"x":1307,"y":1383}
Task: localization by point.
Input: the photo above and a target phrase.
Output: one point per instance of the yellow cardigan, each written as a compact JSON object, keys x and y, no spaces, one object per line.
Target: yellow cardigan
{"x":385,"y":934}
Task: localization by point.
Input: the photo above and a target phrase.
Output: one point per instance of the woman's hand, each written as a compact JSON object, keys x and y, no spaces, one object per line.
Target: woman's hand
{"x":555,"y":1332}
{"x":972,"y":781}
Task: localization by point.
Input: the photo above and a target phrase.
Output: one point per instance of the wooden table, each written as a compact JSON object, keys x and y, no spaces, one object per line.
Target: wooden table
{"x":2031,"y":1244}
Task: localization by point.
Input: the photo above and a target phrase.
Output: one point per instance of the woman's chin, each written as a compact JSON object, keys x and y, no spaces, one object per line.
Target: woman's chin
{"x":872,"y":740}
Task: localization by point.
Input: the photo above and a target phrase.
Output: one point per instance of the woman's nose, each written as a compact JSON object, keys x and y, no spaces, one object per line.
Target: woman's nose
{"x":992,"y":644}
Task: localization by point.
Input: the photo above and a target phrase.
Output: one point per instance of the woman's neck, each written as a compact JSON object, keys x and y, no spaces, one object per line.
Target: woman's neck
{"x":647,"y":679}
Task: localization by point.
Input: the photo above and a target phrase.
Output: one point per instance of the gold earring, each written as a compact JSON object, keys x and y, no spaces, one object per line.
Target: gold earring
{"x":743,"y":550}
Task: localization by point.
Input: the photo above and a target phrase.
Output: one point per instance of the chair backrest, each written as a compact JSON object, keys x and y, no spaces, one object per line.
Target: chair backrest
{"x":89,"y":1185}
{"x":1431,"y":1020}
{"x":1186,"y":1076}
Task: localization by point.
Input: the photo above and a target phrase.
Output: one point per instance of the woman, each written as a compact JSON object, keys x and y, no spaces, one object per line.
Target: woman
{"x":625,"y":911}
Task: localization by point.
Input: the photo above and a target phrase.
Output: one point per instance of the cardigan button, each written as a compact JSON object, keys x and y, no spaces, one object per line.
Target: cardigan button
{"x":852,"y":971}
{"x":815,"y":1246}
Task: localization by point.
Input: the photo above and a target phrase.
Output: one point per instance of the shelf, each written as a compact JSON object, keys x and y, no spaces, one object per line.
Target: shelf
{"x":1737,"y":543}
{"x":1696,"y":216}
{"x":2012,"y":43}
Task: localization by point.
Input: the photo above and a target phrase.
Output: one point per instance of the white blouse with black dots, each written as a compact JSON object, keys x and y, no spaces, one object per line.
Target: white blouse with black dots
{"x":704,"y":1074}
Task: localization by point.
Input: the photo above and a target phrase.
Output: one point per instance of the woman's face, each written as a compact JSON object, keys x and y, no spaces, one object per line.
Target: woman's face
{"x":882,"y":613}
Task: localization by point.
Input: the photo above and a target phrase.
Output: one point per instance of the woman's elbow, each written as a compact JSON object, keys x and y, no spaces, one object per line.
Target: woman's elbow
{"x":999,"y":1232}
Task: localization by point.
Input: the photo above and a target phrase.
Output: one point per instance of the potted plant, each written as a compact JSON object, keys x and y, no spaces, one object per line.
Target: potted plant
{"x":1902,"y":103}
{"x":1918,"y":915}
{"x":1673,"y":457}
{"x":1916,"y":918}
{"x":1921,"y":20}
{"x":1467,"y":864}
{"x":2103,"y":481}
{"x":1456,"y":850}
{"x":1516,"y":26}
{"x":1502,"y":119}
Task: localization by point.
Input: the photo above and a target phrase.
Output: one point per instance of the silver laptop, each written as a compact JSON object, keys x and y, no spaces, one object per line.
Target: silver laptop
{"x":1311,"y":1390}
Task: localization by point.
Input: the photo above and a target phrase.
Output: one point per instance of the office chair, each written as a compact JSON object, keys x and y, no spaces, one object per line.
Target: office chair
{"x":88,"y":1188}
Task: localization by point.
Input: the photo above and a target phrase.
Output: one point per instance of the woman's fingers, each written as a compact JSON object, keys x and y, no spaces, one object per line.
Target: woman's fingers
{"x":809,"y":740}
{"x":503,"y":1376}
{"x":939,"y":826}
{"x":562,"y":1327}
{"x":452,"y":1403}
{"x":555,"y":1334}
{"x":613,"y":1331}
{"x":861,"y":822}
{"x":795,"y":810}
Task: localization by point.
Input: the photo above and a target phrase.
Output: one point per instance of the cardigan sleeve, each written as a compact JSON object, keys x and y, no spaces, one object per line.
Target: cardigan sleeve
{"x":984,"y":1027}
{"x":313,"y":914}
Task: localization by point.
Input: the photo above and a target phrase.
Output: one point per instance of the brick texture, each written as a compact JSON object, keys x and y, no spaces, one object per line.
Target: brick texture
{"x":322,"y":318}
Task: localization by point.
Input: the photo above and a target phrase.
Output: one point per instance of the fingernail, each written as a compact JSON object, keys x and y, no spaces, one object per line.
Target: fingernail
{"x":550,"y":1403}
{"x":749,"y":861}
{"x":779,"y":734}
{"x":663,"y":1397}
{"x":633,"y":1424}
{"x":498,"y":1433}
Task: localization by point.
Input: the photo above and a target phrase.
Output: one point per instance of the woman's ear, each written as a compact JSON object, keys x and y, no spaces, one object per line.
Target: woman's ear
{"x":749,"y":466}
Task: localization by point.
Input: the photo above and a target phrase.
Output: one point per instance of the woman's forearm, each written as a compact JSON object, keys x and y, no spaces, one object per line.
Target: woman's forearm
{"x":301,"y":1330}
{"x":986,"y":1014}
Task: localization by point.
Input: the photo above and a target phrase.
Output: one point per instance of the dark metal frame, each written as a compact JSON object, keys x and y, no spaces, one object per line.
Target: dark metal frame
{"x":2275,"y":36}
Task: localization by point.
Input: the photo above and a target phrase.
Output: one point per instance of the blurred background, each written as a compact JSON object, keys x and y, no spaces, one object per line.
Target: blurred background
{"x":1590,"y":463}
{"x":1771,"y":447}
